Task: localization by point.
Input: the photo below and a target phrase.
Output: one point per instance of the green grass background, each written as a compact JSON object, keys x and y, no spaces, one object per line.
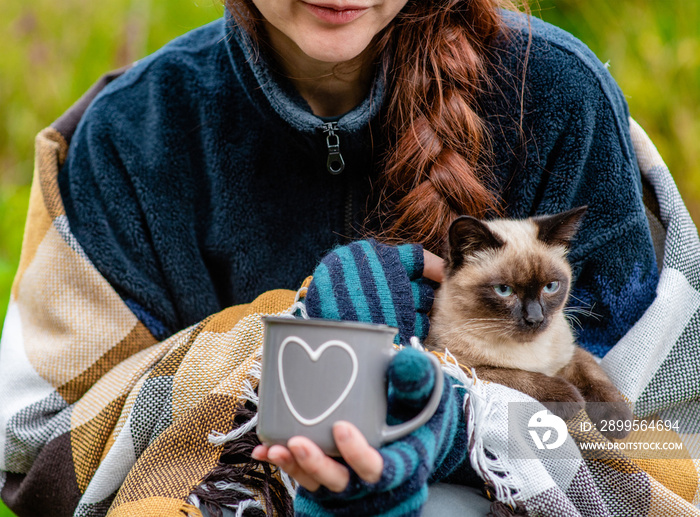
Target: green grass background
{"x":53,"y":51}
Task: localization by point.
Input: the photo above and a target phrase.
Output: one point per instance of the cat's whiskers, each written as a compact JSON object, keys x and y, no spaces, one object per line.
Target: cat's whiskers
{"x":583,"y":311}
{"x":583,"y":306}
{"x":574,"y":320}
{"x":575,"y":297}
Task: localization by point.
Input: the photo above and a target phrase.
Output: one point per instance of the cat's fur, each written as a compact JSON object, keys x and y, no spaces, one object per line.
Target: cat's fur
{"x":521,"y":337}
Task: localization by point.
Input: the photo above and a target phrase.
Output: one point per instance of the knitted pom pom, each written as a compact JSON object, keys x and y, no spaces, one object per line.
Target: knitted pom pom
{"x":411,"y":380}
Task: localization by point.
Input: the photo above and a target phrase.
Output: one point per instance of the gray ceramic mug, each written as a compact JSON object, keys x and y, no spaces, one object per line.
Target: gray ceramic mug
{"x":316,"y":372}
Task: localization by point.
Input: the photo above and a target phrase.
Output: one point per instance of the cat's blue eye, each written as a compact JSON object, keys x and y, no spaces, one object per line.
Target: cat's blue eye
{"x":503,"y":290}
{"x":551,"y":287}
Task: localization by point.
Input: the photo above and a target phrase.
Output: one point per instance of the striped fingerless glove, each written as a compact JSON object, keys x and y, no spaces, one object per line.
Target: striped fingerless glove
{"x":374,"y":283}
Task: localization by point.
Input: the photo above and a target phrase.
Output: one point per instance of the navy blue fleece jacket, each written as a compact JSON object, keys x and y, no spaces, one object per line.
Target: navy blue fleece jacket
{"x":198,"y":179}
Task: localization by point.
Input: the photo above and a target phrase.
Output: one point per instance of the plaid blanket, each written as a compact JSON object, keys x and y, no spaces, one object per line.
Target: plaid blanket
{"x":656,"y":366}
{"x":94,"y":412}
{"x":97,"y":417}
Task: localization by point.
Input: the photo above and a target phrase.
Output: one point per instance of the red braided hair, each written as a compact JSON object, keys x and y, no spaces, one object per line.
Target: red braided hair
{"x":437,"y":166}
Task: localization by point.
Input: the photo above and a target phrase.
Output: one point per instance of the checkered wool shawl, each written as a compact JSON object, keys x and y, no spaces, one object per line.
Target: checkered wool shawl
{"x":98,"y":417}
{"x":94,"y":412}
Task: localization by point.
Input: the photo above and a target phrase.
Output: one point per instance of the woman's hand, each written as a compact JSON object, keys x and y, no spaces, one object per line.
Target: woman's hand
{"x":433,"y":267}
{"x":310,"y":467}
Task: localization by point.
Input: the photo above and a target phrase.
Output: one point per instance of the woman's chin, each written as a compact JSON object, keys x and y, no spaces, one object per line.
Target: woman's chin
{"x":333,"y":52}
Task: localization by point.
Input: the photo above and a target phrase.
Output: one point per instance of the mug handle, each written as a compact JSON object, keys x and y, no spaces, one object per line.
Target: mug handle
{"x":394,"y":432}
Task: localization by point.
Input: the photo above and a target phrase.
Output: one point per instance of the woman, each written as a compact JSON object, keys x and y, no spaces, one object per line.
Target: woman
{"x":229,"y":162}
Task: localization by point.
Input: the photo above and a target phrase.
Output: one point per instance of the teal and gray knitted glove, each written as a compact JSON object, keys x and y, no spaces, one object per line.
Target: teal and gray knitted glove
{"x":434,"y":452}
{"x":374,"y":283}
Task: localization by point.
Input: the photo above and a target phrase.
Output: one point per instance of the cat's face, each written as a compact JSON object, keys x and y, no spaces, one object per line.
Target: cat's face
{"x":507,"y":278}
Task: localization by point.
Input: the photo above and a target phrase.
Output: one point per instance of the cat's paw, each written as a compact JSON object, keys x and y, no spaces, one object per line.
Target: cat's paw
{"x":613,"y":419}
{"x":563,"y":398}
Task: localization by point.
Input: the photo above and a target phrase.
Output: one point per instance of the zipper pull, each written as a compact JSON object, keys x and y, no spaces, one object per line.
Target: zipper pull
{"x":335,"y":163}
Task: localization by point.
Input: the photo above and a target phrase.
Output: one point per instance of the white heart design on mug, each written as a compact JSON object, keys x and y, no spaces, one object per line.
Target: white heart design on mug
{"x":315,"y":355}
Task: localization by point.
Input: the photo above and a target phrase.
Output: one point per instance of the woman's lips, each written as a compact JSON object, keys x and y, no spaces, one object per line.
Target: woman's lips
{"x":336,"y":15}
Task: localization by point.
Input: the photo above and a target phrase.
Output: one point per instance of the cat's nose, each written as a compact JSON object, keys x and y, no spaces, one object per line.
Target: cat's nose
{"x":533,"y":314}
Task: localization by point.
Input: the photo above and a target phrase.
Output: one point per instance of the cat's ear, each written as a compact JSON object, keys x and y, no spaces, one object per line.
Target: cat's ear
{"x":468,"y":235}
{"x":559,"y":229}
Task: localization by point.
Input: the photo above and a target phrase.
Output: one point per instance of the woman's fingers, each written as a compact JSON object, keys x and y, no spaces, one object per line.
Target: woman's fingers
{"x":364,"y":459}
{"x":310,"y":467}
{"x":306,"y":463}
{"x":260,"y":453}
{"x":433,"y":266}
{"x":313,"y":464}
{"x":284,"y":459}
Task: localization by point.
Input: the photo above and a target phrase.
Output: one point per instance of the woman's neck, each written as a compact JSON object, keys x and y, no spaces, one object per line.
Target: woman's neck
{"x":331,"y":89}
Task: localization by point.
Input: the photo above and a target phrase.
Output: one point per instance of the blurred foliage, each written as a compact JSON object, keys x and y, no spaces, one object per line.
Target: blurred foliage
{"x":653,"y":49}
{"x":53,"y":51}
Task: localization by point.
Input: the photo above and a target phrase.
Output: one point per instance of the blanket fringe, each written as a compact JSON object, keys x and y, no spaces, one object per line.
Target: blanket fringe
{"x":298,"y":308}
{"x":247,"y":504}
{"x":249,"y":395}
{"x":499,"y":509}
{"x":193,"y":509}
{"x":216,"y":438}
{"x":229,"y":483}
{"x":478,"y":408}
{"x":239,"y":478}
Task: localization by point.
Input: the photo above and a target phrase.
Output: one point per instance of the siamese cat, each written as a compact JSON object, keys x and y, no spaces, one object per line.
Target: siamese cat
{"x":500,"y":310}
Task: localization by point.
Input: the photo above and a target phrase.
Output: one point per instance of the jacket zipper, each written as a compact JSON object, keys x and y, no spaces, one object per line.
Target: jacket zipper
{"x":335,"y":163}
